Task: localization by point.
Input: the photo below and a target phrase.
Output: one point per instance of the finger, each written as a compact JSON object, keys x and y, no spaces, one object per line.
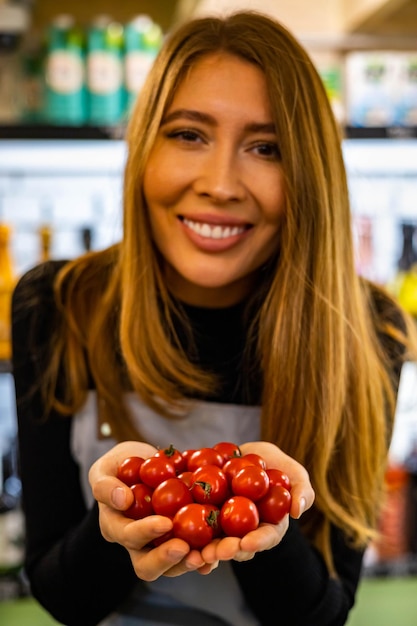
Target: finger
{"x":221,"y":550}
{"x":112,"y":492}
{"x":209,"y":552}
{"x":265,"y":537}
{"x":302,"y":497}
{"x":132,"y":534}
{"x":167,"y":559}
{"x":112,"y":524}
{"x":207,"y":568}
{"x":192,"y":561}
{"x":227,"y":549}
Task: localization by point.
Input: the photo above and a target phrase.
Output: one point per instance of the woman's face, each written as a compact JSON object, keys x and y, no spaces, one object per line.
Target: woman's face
{"x":213,"y":183}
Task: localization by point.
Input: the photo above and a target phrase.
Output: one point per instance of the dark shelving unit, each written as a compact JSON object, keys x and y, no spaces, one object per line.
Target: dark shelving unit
{"x":381,"y":132}
{"x":48,"y":131}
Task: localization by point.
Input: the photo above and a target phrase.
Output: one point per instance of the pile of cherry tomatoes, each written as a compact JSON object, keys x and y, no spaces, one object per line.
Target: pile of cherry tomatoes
{"x":208,"y":492}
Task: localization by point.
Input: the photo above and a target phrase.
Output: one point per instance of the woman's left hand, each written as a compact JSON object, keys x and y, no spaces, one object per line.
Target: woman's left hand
{"x":266,"y":536}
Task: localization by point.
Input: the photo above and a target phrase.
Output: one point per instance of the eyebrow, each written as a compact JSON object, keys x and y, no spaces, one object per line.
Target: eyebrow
{"x":205,"y":118}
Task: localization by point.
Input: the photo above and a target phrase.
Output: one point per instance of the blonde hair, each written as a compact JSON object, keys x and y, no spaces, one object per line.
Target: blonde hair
{"x":328,"y":398}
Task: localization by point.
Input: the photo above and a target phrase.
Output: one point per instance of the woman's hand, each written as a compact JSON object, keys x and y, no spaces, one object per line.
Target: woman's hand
{"x":266,"y":536}
{"x":172,"y":558}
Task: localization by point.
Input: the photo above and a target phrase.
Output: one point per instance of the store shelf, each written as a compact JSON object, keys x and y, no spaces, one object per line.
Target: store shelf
{"x":46,"y":131}
{"x":381,"y":132}
{"x":56,"y":156}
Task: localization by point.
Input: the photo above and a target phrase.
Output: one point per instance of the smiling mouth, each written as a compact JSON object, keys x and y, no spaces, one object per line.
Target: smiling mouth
{"x":213,"y":231}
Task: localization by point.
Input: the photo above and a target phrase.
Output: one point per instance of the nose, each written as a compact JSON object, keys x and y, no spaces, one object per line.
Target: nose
{"x":220,"y":177}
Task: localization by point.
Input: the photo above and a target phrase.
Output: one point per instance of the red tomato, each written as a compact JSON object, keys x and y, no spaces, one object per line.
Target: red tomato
{"x":128,"y":471}
{"x":252,"y":482}
{"x":233,"y":466}
{"x":169,"y":496}
{"x":256,"y":459}
{"x":187,"y":478}
{"x":197,"y":524}
{"x":174,"y":456}
{"x":187,"y":453}
{"x":277,"y":477}
{"x":274,"y":505}
{"x":210,"y":485}
{"x":142,"y":504}
{"x":238,"y":516}
{"x":227,"y":449}
{"x":155,"y":470}
{"x":204,"y":456}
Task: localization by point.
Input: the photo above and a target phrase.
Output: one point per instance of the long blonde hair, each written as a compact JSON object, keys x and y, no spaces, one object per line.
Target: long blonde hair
{"x":327,"y":393}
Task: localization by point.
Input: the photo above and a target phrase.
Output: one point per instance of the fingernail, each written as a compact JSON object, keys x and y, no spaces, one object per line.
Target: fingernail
{"x":118,"y":497}
{"x":301,"y":506}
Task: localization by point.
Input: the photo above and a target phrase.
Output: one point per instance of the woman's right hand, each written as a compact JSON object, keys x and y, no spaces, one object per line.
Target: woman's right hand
{"x":171,"y":558}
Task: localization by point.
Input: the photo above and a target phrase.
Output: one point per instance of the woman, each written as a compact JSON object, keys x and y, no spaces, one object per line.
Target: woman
{"x":229,"y":311}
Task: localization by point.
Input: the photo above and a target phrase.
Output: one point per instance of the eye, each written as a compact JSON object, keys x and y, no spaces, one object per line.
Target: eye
{"x":186,"y":135}
{"x":268,"y":149}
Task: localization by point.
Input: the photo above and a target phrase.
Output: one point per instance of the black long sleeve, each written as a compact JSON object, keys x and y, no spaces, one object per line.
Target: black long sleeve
{"x":290,"y":584}
{"x":74,"y":573}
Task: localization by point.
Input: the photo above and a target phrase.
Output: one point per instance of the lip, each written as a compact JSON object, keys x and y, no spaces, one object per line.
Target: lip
{"x":207,"y":244}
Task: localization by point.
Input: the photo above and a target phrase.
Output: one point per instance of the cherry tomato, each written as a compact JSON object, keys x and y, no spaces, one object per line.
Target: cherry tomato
{"x":256,"y":459}
{"x":169,"y":496}
{"x":238,"y":516}
{"x":274,"y":505}
{"x":210,"y":485}
{"x":204,"y":456}
{"x":227,"y":449}
{"x":251,"y":481}
{"x":142,"y":504}
{"x":277,"y":477}
{"x":174,"y":456}
{"x":155,"y":470}
{"x":187,"y":478}
{"x":197,"y":524}
{"x":187,"y":453}
{"x":128,"y":471}
{"x":233,"y":466}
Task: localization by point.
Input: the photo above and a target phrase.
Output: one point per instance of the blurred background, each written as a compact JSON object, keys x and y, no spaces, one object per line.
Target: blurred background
{"x":69,"y":74}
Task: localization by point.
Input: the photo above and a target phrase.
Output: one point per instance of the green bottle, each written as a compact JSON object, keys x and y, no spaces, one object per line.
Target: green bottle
{"x":143,"y":39}
{"x":105,"y":72}
{"x":65,"y":90}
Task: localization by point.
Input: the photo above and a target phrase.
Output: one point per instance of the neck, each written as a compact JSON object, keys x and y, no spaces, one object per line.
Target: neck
{"x":211,"y":297}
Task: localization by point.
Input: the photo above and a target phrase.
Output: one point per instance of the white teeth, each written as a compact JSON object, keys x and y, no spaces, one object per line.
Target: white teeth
{"x":205,"y":230}
{"x":213,"y":232}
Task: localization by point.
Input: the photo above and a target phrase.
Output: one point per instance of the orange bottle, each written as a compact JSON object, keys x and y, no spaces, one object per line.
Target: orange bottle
{"x":7,"y":283}
{"x":45,"y":233}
